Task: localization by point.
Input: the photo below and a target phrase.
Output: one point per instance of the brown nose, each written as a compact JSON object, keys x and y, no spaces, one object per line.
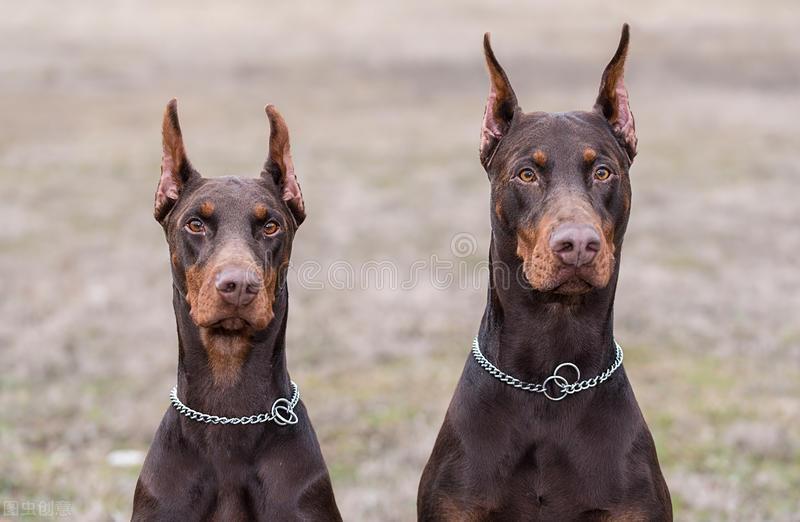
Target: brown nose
{"x":575,"y":245}
{"x":237,"y":285}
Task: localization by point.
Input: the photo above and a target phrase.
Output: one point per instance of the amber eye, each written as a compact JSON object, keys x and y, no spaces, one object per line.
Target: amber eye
{"x":271,"y":228}
{"x":526,"y":175}
{"x":195,"y":226}
{"x":602,"y":174}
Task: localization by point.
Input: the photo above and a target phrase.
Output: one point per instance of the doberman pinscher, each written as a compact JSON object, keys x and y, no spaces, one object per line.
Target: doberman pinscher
{"x":562,"y":449}
{"x":238,"y":445}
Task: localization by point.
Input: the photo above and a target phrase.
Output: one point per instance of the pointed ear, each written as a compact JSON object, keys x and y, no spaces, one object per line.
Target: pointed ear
{"x":612,"y":102}
{"x":175,"y":167}
{"x":280,"y":166}
{"x":500,"y":106}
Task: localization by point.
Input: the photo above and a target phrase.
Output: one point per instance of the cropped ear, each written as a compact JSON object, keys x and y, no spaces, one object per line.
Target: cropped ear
{"x":612,"y":102}
{"x":280,"y":166}
{"x":175,"y":167}
{"x":501,"y":106}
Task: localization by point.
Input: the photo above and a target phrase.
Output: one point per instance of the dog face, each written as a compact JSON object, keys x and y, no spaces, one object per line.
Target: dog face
{"x":560,"y":185}
{"x":229,"y":238}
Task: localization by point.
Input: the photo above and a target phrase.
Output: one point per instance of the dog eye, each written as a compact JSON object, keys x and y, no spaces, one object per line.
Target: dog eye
{"x":271,"y":228}
{"x":195,"y":226}
{"x":526,"y":175}
{"x":602,"y":174}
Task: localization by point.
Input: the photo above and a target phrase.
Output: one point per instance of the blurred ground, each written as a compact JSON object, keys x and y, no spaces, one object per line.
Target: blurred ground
{"x":384,"y":103}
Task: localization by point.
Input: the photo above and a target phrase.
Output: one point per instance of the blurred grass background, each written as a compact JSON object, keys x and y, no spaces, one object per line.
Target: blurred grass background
{"x":384,"y":103}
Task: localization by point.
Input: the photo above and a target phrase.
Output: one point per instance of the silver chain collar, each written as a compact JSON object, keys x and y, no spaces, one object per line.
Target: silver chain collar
{"x":560,"y":381}
{"x":282,"y":412}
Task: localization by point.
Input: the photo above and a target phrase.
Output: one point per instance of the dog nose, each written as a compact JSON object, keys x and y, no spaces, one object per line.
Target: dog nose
{"x":237,"y":285}
{"x":575,"y":245}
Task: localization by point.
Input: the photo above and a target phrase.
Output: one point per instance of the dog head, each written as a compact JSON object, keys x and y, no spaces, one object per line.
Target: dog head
{"x":229,"y":238}
{"x":560,"y":186}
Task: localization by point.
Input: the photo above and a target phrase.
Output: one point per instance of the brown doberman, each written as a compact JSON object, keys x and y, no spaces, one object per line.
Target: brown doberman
{"x":238,"y":443}
{"x":527,"y":437}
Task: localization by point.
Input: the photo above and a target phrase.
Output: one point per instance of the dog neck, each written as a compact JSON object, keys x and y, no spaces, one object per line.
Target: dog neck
{"x":527,"y":333}
{"x":252,"y":376}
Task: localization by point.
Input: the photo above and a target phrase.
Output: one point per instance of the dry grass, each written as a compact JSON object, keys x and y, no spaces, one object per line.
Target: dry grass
{"x":384,"y":103}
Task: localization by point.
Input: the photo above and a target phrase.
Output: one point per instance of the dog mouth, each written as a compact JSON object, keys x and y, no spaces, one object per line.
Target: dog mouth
{"x":230,"y":324}
{"x":573,"y":281}
{"x":574,"y":286}
{"x":225,"y":320}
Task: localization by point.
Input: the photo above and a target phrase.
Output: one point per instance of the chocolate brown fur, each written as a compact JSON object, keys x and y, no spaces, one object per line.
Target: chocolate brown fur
{"x":232,"y":354}
{"x":507,"y":454}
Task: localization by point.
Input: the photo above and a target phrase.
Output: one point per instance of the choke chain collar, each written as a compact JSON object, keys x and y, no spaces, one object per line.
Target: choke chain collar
{"x":282,"y":412}
{"x":561,"y":382}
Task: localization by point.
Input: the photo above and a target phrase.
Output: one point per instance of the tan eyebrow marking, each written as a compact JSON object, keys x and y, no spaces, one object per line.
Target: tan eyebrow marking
{"x":540,"y":158}
{"x":260,"y":211}
{"x":206,"y":209}
{"x":589,"y":154}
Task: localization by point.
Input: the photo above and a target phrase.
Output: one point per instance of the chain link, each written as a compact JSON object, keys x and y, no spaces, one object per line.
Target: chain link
{"x":560,"y":381}
{"x":282,"y":412}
